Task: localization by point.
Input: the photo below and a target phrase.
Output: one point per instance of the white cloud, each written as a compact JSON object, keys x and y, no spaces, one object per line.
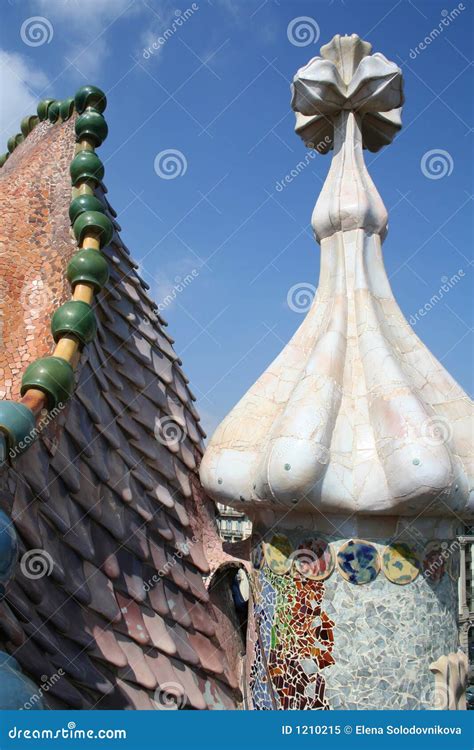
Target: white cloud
{"x":160,"y":24}
{"x":147,"y":39}
{"x":232,"y":7}
{"x":87,"y":62}
{"x":84,"y":26}
{"x":20,"y":88}
{"x":171,"y":282}
{"x":84,"y":12}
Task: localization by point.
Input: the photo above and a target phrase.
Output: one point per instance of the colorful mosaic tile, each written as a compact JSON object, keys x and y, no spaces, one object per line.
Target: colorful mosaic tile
{"x":403,"y":628}
{"x":294,"y":643}
{"x":264,"y":598}
{"x":278,"y":554}
{"x":400,"y":563}
{"x":358,"y":561}
{"x":258,"y":558}
{"x":314,"y":559}
{"x":318,"y":644}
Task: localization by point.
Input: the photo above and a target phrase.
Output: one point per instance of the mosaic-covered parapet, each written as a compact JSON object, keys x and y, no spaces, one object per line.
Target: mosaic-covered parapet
{"x":294,"y":644}
{"x":345,"y":642}
{"x":108,"y":587}
{"x":403,"y":558}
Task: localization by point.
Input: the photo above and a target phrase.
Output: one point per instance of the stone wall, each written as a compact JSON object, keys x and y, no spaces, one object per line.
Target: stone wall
{"x":35,"y":247}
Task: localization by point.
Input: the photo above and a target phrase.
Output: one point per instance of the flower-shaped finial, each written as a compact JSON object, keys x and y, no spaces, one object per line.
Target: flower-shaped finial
{"x":348,"y":77}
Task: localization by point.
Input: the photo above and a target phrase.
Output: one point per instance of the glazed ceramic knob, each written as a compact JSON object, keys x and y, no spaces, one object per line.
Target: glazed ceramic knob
{"x":66,"y":108}
{"x":88,"y":266}
{"x":28,"y":123}
{"x":43,"y":108}
{"x":90,"y":96}
{"x":74,"y":318}
{"x":53,"y":112}
{"x":86,"y":165}
{"x":91,"y":125}
{"x":84,"y":203}
{"x":52,"y":375}
{"x":14,"y":141}
{"x":17,"y":422}
{"x":95,"y":222}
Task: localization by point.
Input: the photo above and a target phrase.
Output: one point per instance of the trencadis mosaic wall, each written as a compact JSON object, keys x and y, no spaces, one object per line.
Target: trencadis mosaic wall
{"x":343,"y":623}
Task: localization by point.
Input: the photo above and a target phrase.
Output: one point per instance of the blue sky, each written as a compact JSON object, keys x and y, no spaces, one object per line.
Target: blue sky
{"x":217,"y":91}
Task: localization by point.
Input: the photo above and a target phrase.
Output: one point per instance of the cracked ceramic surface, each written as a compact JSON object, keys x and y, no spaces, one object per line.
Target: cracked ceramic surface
{"x":355,"y":415}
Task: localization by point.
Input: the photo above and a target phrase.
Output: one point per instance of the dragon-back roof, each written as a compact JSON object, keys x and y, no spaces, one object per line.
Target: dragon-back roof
{"x":107,"y":590}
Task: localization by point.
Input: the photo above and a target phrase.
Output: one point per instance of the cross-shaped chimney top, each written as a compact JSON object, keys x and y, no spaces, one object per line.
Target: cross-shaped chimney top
{"x":346,"y":76}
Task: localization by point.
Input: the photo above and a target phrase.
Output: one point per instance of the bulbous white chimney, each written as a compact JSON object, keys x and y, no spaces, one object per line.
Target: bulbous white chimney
{"x":354,"y":448}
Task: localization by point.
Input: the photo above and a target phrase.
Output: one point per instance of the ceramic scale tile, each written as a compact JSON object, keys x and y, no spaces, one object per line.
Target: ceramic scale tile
{"x":102,"y":495}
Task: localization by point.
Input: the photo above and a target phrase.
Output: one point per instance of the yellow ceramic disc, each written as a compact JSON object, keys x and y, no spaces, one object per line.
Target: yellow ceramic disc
{"x":277,"y":554}
{"x":400,"y":563}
